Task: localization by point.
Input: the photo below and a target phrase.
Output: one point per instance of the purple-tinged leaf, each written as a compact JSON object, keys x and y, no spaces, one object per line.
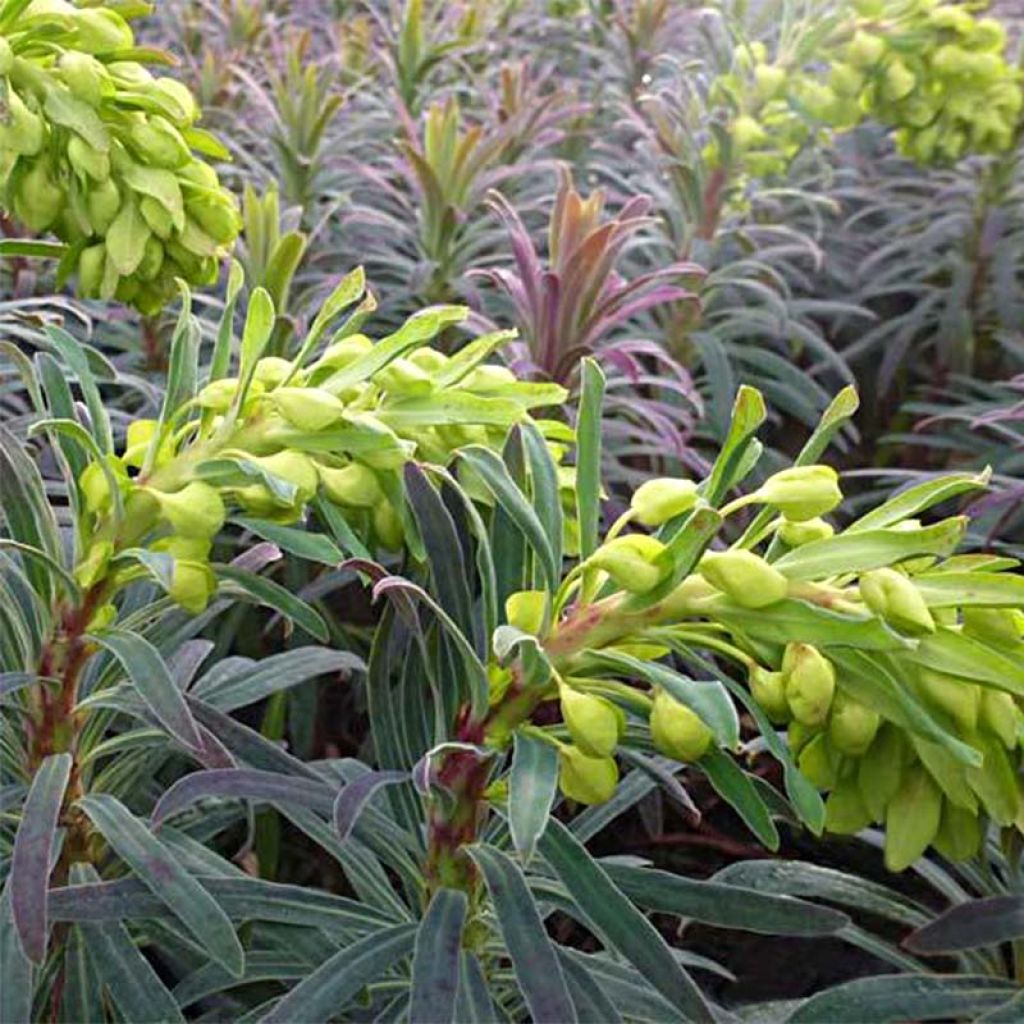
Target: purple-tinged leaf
{"x":435,"y":963}
{"x":985,"y":922}
{"x":165,"y":877}
{"x":33,"y":853}
{"x":353,"y":798}
{"x":242,"y":784}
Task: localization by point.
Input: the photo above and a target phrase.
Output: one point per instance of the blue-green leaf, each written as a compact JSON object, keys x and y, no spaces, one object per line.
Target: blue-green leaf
{"x":163,"y":874}
{"x":533,"y":957}
{"x":435,"y":963}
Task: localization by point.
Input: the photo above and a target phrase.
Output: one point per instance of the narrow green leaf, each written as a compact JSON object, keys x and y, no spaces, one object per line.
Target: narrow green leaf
{"x":747,"y":415}
{"x":135,"y":988}
{"x":533,"y":957}
{"x":313,"y":547}
{"x":163,"y":874}
{"x":149,"y":675}
{"x":273,"y":595}
{"x":496,"y":477}
{"x":730,"y":782}
{"x":896,"y":998}
{"x":71,"y":352}
{"x":533,"y":785}
{"x":622,"y":925}
{"x":588,"y":455}
{"x":919,"y":498}
{"x":869,"y":549}
{"x":327,"y":991}
{"x":435,"y":963}
{"x":544,"y":478}
{"x":724,"y":906}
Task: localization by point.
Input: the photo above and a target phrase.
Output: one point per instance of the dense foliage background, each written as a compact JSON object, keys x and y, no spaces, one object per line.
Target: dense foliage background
{"x":603,"y":243}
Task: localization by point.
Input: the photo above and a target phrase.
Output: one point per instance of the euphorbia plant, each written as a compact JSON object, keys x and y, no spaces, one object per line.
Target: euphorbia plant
{"x":262,"y":441}
{"x":502,"y":673}
{"x":576,"y":303}
{"x":104,"y":155}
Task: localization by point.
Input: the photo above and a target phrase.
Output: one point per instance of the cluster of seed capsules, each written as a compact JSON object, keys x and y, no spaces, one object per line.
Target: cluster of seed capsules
{"x":102,"y":153}
{"x":932,"y":72}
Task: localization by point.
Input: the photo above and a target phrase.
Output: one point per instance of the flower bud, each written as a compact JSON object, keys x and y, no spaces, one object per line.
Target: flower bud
{"x":39,"y":200}
{"x":86,"y":160}
{"x":959,"y":836}
{"x":845,"y":813}
{"x":295,"y":468}
{"x":865,"y":49}
{"x":94,"y":566}
{"x":91,"y":263}
{"x":802,"y":492}
{"x":769,"y":690}
{"x":657,"y":501}
{"x":525,"y":610}
{"x":995,"y":780}
{"x":993,"y":625}
{"x":157,"y":217}
{"x":191,"y":549}
{"x":745,"y":577}
{"x":852,"y":726}
{"x":810,"y":683}
{"x":104,"y":617}
{"x":770,"y":79}
{"x":102,"y":206}
{"x":94,"y":485}
{"x":595,"y":724}
{"x":354,"y":485}
{"x":999,"y":715}
{"x":179,"y":96}
{"x":344,"y":352}
{"x":404,"y":378}
{"x":893,"y":597}
{"x":192,"y":585}
{"x":676,"y":731}
{"x":195,"y":511}
{"x":429,"y":359}
{"x":217,"y":216}
{"x":387,"y":525}
{"x":99,"y":30}
{"x":272,"y":371}
{"x":488,"y":378}
{"x":880,"y":770}
{"x":912,"y":818}
{"x":85,"y":76}
{"x":818,"y":762}
{"x":898,"y":81}
{"x":630,"y":562}
{"x":799,"y":735}
{"x":798,"y":534}
{"x":24,"y":131}
{"x":747,"y":133}
{"x":307,"y":408}
{"x":585,"y":779}
{"x":957,"y":697}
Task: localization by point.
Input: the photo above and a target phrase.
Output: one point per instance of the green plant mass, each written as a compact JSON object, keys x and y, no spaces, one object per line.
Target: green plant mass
{"x":513,"y":514}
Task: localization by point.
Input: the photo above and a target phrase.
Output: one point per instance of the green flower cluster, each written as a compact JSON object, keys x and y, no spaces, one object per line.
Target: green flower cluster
{"x":102,"y":153}
{"x":334,"y":427}
{"x":894,"y":664}
{"x":931,"y":71}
